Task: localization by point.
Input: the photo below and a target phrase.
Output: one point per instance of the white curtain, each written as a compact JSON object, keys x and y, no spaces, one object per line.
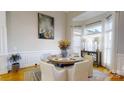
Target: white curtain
{"x":76,"y":39}
{"x":107,"y":42}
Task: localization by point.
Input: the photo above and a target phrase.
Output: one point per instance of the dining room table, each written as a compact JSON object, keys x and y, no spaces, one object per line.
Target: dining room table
{"x":64,"y":61}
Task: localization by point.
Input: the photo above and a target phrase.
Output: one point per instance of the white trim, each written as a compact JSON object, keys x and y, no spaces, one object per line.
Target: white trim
{"x":120,"y":64}
{"x":1,"y":39}
{"x":3,"y":43}
{"x":3,"y":33}
{"x":115,"y":42}
{"x":41,"y":51}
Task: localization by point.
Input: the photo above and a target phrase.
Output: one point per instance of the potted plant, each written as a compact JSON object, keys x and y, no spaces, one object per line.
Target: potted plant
{"x":14,"y":59}
{"x":64,"y":45}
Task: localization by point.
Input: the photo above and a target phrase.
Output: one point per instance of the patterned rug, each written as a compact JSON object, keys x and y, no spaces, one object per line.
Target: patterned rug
{"x":35,"y":75}
{"x":99,"y":76}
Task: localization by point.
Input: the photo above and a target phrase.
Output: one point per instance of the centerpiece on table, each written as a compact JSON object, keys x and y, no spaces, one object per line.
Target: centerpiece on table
{"x":64,"y":45}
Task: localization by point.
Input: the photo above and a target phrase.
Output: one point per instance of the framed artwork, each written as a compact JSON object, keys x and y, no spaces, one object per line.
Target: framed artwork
{"x":45,"y":26}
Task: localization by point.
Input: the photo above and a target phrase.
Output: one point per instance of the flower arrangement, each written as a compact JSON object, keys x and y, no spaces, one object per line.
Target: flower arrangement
{"x":14,"y":58}
{"x":64,"y":44}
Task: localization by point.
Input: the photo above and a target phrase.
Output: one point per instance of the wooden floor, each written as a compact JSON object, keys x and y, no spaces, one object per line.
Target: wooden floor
{"x":19,"y":75}
{"x":15,"y":76}
{"x":111,"y":77}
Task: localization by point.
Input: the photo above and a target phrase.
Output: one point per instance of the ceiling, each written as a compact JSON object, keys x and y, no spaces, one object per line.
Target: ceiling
{"x":88,"y":15}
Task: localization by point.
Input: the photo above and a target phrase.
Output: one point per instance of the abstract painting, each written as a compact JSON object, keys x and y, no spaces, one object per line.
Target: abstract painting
{"x":45,"y":26}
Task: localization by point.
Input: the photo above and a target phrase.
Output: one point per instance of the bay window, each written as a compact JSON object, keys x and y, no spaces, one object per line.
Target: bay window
{"x":92,"y":36}
{"x":96,"y":36}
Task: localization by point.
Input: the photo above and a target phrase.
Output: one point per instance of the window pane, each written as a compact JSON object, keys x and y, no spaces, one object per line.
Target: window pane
{"x":93,"y":30}
{"x":76,"y":41}
{"x":92,"y":35}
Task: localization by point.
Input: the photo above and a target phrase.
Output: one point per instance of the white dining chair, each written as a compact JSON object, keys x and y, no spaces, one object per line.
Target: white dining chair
{"x":45,"y":56}
{"x":90,"y":59}
{"x":78,"y":72}
{"x":50,"y":73}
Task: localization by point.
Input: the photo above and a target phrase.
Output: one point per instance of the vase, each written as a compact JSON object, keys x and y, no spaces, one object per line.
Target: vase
{"x":15,"y":67}
{"x":64,"y":52}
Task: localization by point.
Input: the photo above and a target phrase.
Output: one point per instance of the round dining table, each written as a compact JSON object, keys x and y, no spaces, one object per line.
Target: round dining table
{"x":65,"y":61}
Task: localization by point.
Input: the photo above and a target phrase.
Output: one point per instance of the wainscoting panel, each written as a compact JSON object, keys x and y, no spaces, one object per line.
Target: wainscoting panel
{"x":120,"y":64}
{"x":3,"y":64}
{"x":30,"y":58}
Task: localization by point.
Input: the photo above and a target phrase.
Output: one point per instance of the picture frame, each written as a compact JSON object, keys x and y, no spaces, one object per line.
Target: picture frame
{"x":45,"y":26}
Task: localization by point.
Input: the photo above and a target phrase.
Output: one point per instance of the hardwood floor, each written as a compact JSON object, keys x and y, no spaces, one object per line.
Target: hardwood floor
{"x":19,"y":75}
{"x":111,"y":77}
{"x":16,"y":76}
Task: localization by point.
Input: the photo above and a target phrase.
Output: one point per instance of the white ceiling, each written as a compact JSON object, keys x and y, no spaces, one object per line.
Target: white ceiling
{"x":88,"y":15}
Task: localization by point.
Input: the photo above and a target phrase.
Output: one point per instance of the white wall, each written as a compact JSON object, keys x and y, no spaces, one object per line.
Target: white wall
{"x":70,"y":23}
{"x":3,"y":33}
{"x":120,"y":44}
{"x":121,"y":33}
{"x":23,"y":31}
